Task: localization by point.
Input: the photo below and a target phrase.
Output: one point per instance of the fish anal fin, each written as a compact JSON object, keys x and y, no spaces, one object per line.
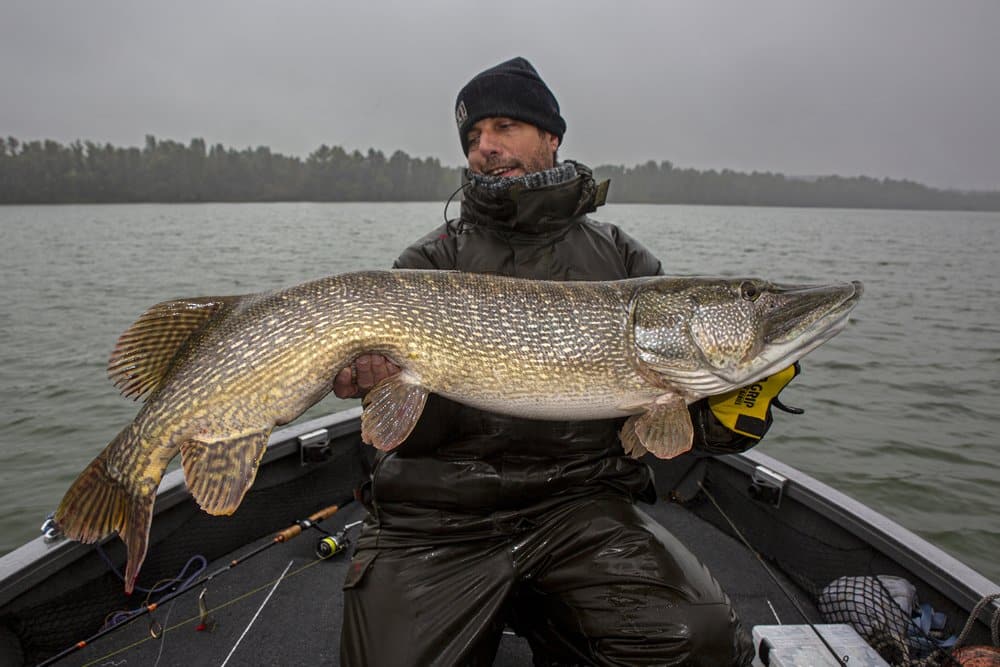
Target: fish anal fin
{"x":664,"y":429}
{"x":391,"y":410}
{"x":220,"y":471}
{"x":98,"y":504}
{"x":146,"y":350}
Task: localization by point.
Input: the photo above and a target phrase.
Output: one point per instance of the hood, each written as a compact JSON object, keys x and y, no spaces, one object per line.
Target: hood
{"x":537,"y":209}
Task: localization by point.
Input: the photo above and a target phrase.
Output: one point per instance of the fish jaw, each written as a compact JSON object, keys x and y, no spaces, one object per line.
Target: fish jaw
{"x":704,"y":337}
{"x":797,"y":320}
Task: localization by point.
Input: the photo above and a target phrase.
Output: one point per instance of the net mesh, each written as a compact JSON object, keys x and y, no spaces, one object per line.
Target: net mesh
{"x":821,"y":557}
{"x":880,"y":609}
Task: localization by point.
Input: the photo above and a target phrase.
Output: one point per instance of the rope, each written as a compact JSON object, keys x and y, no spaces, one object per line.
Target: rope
{"x":198,"y":616}
{"x":167,"y":583}
{"x":937,"y":658}
{"x":994,"y":623}
{"x":160,"y":586}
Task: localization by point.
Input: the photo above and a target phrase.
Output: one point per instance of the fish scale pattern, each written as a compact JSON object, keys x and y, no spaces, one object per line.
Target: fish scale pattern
{"x":538,"y":349}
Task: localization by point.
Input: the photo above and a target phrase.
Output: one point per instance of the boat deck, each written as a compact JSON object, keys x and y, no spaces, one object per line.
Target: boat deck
{"x":300,"y":622}
{"x":284,"y":606}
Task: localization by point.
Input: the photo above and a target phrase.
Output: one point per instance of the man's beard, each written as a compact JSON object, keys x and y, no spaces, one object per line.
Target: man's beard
{"x":540,"y":161}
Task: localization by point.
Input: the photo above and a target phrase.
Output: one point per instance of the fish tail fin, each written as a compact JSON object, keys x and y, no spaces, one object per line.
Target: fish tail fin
{"x":98,"y":504}
{"x":139,"y":518}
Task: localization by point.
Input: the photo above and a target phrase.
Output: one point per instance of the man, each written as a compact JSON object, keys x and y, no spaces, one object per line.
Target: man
{"x":481,"y":520}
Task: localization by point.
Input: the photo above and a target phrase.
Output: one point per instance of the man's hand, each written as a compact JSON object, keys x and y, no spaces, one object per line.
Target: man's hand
{"x":747,"y":411}
{"x":368,"y":370}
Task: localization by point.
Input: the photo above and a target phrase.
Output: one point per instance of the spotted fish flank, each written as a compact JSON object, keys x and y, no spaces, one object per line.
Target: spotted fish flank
{"x":219,"y":373}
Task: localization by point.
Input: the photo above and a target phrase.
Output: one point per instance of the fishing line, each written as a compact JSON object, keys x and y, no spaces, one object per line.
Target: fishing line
{"x":160,"y":586}
{"x":259,"y":609}
{"x":770,"y":573}
{"x":163,"y":635}
{"x":197,"y":617}
{"x":773,"y":611}
{"x":280,"y":538}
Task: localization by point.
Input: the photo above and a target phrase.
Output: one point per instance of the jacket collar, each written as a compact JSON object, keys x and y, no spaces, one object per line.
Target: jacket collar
{"x":534,"y":209}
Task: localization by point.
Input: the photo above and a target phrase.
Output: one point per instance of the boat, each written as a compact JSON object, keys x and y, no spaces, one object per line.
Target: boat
{"x":263,"y":587}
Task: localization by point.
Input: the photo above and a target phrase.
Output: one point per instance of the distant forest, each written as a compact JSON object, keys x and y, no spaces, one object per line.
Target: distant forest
{"x":168,"y":171}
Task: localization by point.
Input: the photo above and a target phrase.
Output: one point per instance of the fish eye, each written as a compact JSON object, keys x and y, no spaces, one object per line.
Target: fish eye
{"x":749,"y":291}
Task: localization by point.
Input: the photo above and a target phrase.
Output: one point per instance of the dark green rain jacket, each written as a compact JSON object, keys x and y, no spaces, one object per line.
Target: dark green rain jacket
{"x":464,"y":473}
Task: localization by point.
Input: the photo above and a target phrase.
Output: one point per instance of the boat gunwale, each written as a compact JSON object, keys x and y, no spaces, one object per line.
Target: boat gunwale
{"x":37,"y":560}
{"x":935,"y":567}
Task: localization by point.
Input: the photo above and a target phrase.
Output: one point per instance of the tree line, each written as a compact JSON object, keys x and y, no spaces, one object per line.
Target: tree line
{"x":657,"y":183}
{"x":168,"y":171}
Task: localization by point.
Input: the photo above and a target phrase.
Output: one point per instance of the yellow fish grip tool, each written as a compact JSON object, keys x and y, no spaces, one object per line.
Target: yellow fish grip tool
{"x":747,"y":410}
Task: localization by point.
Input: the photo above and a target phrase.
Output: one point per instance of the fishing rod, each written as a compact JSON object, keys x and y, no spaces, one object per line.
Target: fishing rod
{"x":939,"y":657}
{"x":327,"y":546}
{"x":840,"y":660}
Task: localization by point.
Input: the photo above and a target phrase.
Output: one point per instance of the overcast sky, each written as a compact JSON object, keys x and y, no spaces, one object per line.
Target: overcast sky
{"x":900,"y":89}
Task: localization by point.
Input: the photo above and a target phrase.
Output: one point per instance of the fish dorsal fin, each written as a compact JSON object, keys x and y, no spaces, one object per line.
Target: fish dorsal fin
{"x":147,"y":349}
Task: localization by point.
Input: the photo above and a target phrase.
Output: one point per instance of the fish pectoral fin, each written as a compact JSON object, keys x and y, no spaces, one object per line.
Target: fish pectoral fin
{"x":664,"y":429}
{"x":391,"y":410}
{"x":220,"y":471}
{"x":146,"y":350}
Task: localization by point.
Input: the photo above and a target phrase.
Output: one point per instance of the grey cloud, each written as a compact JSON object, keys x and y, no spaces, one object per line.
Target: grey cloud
{"x":898,"y":89}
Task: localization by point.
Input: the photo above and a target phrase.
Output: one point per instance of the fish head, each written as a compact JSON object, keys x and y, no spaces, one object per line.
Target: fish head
{"x":702,"y":336}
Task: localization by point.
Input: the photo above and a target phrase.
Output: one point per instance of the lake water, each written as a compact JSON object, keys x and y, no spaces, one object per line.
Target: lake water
{"x":901,"y":408}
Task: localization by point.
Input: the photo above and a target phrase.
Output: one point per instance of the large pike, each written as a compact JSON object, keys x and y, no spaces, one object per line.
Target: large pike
{"x":219,"y":373}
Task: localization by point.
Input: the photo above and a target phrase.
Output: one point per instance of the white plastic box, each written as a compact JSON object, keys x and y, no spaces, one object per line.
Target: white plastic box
{"x":798,"y":646}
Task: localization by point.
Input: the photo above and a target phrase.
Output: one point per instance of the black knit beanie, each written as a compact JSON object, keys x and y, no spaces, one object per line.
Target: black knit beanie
{"x":511,"y":89}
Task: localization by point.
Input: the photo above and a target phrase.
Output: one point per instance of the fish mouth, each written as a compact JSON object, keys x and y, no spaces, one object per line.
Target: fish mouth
{"x":798,"y":319}
{"x":802,"y":312}
{"x":782,"y":324}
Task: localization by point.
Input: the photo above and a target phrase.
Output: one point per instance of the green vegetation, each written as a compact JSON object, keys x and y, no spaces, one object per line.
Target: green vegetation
{"x":664,"y":183}
{"x":168,"y":171}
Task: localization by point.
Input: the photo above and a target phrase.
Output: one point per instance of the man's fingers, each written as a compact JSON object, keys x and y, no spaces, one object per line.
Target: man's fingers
{"x":379,"y":368}
{"x":343,"y":384}
{"x":365,"y":379}
{"x":366,"y":372}
{"x":382,"y":368}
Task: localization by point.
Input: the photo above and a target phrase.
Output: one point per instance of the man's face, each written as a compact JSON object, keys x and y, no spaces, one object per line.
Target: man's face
{"x":507,"y":147}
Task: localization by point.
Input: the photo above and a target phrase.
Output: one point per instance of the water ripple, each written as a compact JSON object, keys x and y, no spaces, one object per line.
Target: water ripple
{"x":900,"y":408}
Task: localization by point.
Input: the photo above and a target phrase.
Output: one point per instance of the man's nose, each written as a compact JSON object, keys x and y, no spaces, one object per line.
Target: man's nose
{"x":488,"y":144}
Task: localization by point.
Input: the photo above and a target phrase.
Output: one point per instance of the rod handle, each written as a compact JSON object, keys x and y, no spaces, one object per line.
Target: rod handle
{"x":294,"y":530}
